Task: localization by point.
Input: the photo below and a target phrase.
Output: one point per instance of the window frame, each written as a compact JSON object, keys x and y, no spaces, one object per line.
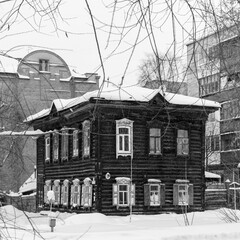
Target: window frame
{"x":75,"y":144}
{"x":65,"y":193}
{"x":64,"y":144}
{"x":86,"y":195}
{"x":57,"y":191}
{"x":47,"y":187}
{"x":124,"y":124}
{"x":46,"y":62}
{"x":155,"y":138}
{"x":55,"y":147}
{"x":130,"y":192}
{"x":47,"y":148}
{"x":86,"y":138}
{"x":189,"y":193}
{"x":75,"y":193}
{"x":183,"y":142}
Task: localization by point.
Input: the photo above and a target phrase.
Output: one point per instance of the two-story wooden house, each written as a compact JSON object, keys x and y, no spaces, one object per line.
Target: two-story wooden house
{"x":123,"y":149}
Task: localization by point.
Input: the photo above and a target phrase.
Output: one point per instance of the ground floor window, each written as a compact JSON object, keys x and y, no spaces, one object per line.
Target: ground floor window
{"x":154,"y":193}
{"x":47,"y":187}
{"x":65,"y":193}
{"x":182,"y":193}
{"x":123,"y":192}
{"x":75,"y":193}
{"x":86,"y":200}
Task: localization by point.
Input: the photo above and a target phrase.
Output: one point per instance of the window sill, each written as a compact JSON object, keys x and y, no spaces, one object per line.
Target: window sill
{"x":155,"y":154}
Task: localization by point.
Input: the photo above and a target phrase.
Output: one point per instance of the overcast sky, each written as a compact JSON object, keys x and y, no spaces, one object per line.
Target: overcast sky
{"x":72,"y":37}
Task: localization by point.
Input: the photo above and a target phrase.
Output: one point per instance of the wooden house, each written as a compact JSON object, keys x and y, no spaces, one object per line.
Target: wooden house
{"x":122,"y":150}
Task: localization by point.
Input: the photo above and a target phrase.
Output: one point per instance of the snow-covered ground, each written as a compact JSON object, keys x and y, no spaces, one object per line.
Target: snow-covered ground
{"x":206,"y":225}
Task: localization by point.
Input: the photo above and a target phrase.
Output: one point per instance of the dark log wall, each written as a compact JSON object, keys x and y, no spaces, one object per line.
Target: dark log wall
{"x":167,"y":167}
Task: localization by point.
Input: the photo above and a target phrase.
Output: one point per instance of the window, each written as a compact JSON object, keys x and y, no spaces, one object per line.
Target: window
{"x":230,"y":141}
{"x":155,"y":140}
{"x":182,"y":193}
{"x":47,"y":187}
{"x":64,"y":193}
{"x":123,"y":192}
{"x":182,"y":142}
{"x":209,"y":84}
{"x":124,"y":137}
{"x":212,"y":143}
{"x":43,"y":65}
{"x":230,"y":109}
{"x":55,"y":147}
{"x":75,"y":193}
{"x":86,"y":200}
{"x":86,"y":138}
{"x":75,"y":143}
{"x":154,"y":193}
{"x":64,"y":146}
{"x":56,"y":190}
{"x":47,"y":148}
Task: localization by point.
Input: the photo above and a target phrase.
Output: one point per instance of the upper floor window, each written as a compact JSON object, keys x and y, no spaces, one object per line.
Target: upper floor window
{"x":212,"y":143}
{"x":182,"y":142}
{"x":124,"y":137}
{"x":47,"y":148}
{"x":155,"y":140}
{"x":123,"y":192}
{"x":64,"y":145}
{"x":43,"y":65}
{"x":209,"y":84}
{"x":86,"y":138}
{"x":55,"y":146}
{"x":230,"y":109}
{"x":75,"y":143}
{"x":230,"y":141}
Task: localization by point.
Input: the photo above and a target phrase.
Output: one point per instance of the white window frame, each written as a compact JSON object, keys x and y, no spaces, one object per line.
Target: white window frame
{"x":56,"y":189}
{"x":182,"y":142}
{"x":47,"y":148}
{"x":64,"y":144}
{"x":155,"y":139}
{"x":75,"y":143}
{"x":183,"y":196}
{"x":86,"y":138}
{"x":75,"y":193}
{"x":130,"y":192}
{"x":55,"y":144}
{"x":86,"y":197}
{"x":127,"y":124}
{"x":153,"y":200}
{"x":47,"y":187}
{"x":65,"y":193}
{"x":183,"y":188}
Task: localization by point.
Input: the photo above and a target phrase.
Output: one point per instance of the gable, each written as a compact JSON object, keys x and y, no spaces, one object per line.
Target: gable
{"x":157,"y":100}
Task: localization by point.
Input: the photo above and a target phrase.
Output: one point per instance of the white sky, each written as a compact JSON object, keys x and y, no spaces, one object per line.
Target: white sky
{"x":79,"y":48}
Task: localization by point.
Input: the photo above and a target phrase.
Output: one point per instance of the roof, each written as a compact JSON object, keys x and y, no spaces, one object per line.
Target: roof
{"x":211,"y":175}
{"x":29,"y":184}
{"x":127,"y":93}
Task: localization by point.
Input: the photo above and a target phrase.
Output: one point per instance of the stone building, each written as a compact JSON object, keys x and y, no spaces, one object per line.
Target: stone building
{"x":214,"y":74}
{"x":28,"y":85}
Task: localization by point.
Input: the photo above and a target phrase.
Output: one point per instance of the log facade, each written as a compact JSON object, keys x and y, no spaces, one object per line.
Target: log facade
{"x":144,"y":157}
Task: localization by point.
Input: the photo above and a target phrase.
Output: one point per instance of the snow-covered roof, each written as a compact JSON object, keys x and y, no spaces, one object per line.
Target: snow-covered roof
{"x":128,"y":93}
{"x":211,"y":175}
{"x":29,"y":184}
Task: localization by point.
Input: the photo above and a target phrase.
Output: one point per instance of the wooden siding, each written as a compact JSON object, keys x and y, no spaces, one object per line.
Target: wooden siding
{"x":168,"y":167}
